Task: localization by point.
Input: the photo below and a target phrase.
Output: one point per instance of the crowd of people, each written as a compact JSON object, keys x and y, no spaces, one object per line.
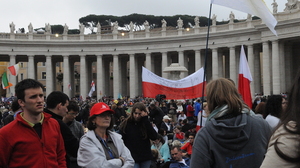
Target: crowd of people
{"x":222,"y":131}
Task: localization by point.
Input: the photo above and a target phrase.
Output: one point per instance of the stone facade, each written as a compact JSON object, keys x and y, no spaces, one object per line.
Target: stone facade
{"x":118,"y":57}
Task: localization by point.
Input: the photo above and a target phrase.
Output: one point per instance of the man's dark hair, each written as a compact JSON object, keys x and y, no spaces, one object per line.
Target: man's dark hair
{"x":73,"y":106}
{"x":56,"y":97}
{"x":15,"y":105}
{"x":24,"y":85}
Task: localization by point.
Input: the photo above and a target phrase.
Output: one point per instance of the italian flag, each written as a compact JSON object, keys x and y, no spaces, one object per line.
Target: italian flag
{"x":187,"y":88}
{"x":244,"y":79}
{"x":14,"y":69}
{"x":5,"y":83}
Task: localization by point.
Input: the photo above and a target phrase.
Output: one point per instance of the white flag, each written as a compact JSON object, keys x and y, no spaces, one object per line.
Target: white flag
{"x":254,"y":7}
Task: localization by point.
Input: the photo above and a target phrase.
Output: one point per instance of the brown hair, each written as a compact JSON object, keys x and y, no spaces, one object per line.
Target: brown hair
{"x":123,"y":125}
{"x":222,"y":92}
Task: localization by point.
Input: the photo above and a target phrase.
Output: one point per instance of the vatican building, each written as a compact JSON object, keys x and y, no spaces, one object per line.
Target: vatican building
{"x":114,"y":61}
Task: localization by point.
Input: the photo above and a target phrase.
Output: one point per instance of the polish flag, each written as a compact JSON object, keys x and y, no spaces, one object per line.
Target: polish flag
{"x":244,"y":79}
{"x":187,"y":88}
{"x":14,"y":69}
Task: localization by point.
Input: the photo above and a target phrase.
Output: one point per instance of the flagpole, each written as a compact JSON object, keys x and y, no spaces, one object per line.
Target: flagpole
{"x":205,"y":61}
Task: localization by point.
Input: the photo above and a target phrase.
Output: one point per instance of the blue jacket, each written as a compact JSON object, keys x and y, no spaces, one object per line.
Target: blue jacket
{"x":180,"y":165}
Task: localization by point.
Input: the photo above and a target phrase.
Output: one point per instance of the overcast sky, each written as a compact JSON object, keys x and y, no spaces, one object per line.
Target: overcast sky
{"x":23,"y":12}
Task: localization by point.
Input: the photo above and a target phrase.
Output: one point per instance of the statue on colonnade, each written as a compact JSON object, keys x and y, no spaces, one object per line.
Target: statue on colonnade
{"x":30,"y":28}
{"x":12,"y":27}
{"x":275,"y":6}
{"x":81,"y":28}
{"x":196,"y":20}
{"x":66,"y":29}
{"x":291,"y":4}
{"x":48,"y":28}
{"x":179,"y":23}
{"x":146,"y":25}
{"x":214,"y":20}
{"x":98,"y":28}
{"x":231,"y":17}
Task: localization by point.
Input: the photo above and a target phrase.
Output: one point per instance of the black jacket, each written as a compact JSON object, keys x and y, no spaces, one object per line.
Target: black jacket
{"x":140,"y":148}
{"x":71,"y":142}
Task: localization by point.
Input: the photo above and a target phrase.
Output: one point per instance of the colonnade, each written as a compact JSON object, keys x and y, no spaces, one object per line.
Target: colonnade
{"x":268,"y":62}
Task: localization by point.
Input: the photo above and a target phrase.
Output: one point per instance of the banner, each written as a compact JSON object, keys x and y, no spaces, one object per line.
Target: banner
{"x":187,"y":88}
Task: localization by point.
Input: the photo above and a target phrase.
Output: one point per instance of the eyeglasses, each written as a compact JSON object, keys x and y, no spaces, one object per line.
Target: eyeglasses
{"x":191,"y":138}
{"x":103,"y":115}
{"x":74,"y":114}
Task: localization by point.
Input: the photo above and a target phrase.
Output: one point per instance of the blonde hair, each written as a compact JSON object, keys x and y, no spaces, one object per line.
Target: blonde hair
{"x":222,"y":92}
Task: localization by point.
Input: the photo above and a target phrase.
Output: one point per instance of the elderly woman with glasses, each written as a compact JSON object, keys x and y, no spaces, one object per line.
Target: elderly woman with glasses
{"x":100,"y":147}
{"x":136,"y":132}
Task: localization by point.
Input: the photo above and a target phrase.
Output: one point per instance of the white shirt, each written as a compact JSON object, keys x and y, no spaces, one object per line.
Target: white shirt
{"x":273,"y":121}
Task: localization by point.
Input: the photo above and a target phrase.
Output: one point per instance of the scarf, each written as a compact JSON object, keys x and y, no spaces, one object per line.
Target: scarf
{"x":223,"y":110}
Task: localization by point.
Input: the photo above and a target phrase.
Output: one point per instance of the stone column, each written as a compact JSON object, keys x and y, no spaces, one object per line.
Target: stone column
{"x":198,"y":62}
{"x":100,"y":77}
{"x":221,"y":71}
{"x":266,"y":69}
{"x":116,"y":76}
{"x":181,"y":62}
{"x":83,"y":77}
{"x":66,"y":79}
{"x":148,"y":62}
{"x":282,"y":67}
{"x":31,"y":67}
{"x":232,"y":64}
{"x":49,"y":75}
{"x":164,"y":64}
{"x":215,"y":65}
{"x":251,"y":66}
{"x":275,"y":67}
{"x":288,"y":64}
{"x":132,"y":76}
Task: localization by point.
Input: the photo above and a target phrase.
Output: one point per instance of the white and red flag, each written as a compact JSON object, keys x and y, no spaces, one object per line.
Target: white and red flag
{"x":244,"y":79}
{"x":253,"y":7}
{"x":187,"y":88}
{"x":92,"y":89}
{"x":14,"y":69}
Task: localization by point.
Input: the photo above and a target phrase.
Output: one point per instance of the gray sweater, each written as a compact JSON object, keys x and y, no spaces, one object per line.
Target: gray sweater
{"x":231,"y":143}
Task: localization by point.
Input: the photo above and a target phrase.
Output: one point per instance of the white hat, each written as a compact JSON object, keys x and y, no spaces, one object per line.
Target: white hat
{"x":166,"y":117}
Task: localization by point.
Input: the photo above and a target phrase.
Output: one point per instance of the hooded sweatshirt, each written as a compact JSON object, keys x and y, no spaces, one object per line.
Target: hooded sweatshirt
{"x":236,"y":142}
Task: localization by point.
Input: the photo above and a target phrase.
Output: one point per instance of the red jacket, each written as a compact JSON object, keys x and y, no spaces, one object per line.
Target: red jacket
{"x":21,"y":146}
{"x":190,"y":111}
{"x":188,"y":148}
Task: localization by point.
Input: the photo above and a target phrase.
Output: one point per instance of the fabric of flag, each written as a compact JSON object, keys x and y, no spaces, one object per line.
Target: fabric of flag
{"x":5,"y":83}
{"x":254,"y":7}
{"x":187,"y":88}
{"x":120,"y":96}
{"x":69,"y":86}
{"x":14,"y":69}
{"x":244,"y":79}
{"x":93,"y":88}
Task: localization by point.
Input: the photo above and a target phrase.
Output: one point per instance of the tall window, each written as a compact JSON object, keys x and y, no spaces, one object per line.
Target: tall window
{"x":21,"y":76}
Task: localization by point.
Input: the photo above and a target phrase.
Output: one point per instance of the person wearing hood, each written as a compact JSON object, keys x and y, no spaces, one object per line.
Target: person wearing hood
{"x":233,"y":136}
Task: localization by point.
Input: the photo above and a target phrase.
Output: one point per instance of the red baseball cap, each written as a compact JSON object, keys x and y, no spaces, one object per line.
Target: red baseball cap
{"x":99,"y":108}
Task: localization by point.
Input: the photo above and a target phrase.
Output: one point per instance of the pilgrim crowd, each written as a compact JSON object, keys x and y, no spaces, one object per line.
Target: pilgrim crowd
{"x":217,"y":131}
